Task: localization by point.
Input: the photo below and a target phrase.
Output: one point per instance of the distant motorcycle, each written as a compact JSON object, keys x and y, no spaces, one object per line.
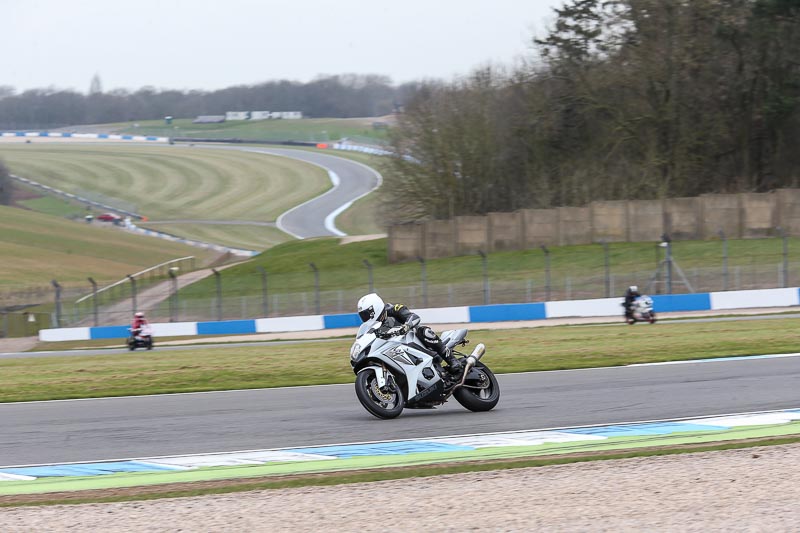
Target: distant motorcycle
{"x":642,"y":310}
{"x":140,"y":338}
{"x":394,"y":371}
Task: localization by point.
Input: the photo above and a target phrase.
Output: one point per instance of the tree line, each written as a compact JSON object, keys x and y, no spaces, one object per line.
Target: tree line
{"x":622,"y":99}
{"x":348,"y":95}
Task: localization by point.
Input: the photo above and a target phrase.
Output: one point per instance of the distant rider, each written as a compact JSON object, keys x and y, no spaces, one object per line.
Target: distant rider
{"x":630,"y":296}
{"x":372,"y":307}
{"x":139,"y":321}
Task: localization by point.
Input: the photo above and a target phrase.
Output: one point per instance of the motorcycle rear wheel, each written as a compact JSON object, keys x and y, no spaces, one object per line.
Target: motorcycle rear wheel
{"x":383,"y":403}
{"x":478,"y":400}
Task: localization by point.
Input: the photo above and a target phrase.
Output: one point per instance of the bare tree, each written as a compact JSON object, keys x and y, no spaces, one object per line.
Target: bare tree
{"x":5,"y":185}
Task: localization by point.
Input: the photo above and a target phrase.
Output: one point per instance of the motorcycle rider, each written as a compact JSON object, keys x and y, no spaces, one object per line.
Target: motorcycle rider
{"x":630,"y":296}
{"x":139,"y":321}
{"x":372,"y":307}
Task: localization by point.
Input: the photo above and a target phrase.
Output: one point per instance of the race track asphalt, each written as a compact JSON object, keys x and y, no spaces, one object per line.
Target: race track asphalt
{"x":115,"y":428}
{"x":309,"y":219}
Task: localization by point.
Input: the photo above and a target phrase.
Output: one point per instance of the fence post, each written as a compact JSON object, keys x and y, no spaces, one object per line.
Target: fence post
{"x":785,"y":274}
{"x":218,"y":280}
{"x":424,"y":275}
{"x":485,"y":264}
{"x":133,"y":293}
{"x":316,"y":287}
{"x":546,"y":272}
{"x":369,"y":274}
{"x":607,"y":268}
{"x":173,"y":298}
{"x":94,"y":300}
{"x":57,"y":287}
{"x":724,"y":260}
{"x":264,"y":293}
{"x":667,"y":243}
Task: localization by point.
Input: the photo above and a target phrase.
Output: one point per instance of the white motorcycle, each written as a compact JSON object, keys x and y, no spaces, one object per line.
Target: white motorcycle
{"x":394,"y":371}
{"x":642,"y":310}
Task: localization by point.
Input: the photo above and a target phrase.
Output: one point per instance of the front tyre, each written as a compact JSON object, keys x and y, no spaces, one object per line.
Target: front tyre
{"x":479,"y":393}
{"x":384,"y":403}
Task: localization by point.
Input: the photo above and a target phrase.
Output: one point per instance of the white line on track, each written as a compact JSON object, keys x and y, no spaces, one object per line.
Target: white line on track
{"x":557,"y":428}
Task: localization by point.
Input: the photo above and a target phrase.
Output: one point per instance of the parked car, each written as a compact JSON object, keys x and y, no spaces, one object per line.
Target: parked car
{"x":108,"y":217}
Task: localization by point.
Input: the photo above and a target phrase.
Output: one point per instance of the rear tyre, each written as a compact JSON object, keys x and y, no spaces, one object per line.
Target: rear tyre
{"x":383,"y":403}
{"x":480,"y":394}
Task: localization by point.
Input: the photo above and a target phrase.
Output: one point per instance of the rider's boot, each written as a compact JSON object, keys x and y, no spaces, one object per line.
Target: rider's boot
{"x":453,"y":364}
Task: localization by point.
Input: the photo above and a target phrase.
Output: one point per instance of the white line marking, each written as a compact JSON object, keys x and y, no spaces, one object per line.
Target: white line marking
{"x":557,"y":428}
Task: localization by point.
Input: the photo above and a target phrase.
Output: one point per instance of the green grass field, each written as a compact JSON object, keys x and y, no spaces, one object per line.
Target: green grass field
{"x":173,"y":182}
{"x":518,"y":350}
{"x":36,"y":248}
{"x":248,"y":237}
{"x":313,"y":129}
{"x":51,"y":205}
{"x":341,"y":267}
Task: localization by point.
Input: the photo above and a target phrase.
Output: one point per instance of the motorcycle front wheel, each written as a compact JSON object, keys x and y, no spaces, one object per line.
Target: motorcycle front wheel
{"x":383,"y":403}
{"x":479,"y":394}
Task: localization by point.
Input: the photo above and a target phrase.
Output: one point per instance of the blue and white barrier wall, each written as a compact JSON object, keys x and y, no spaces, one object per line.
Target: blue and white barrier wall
{"x":84,"y":136}
{"x":450,"y":315}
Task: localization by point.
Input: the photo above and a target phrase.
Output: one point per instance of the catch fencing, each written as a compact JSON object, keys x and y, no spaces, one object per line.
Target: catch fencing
{"x":588,"y":273}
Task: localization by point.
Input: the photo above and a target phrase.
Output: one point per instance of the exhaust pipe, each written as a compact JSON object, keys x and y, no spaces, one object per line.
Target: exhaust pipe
{"x":473,"y":358}
{"x":476,"y":354}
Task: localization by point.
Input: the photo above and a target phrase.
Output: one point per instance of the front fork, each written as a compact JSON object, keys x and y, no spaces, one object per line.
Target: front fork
{"x":380,"y":374}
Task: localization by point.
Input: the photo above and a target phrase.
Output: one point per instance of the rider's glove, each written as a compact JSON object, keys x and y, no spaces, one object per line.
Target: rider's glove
{"x":394,"y":331}
{"x":406,"y":328}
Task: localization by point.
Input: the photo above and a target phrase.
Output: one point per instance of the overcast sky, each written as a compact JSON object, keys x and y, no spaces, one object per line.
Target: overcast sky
{"x":210,"y":44}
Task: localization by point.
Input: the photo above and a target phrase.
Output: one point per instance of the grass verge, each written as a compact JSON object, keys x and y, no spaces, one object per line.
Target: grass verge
{"x":317,"y":363}
{"x":366,"y":476}
{"x":517,"y":276}
{"x":35,"y":248}
{"x":172,"y":182}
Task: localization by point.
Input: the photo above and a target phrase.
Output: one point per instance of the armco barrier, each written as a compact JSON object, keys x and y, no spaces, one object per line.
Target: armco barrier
{"x":445,"y":315}
{"x":79,"y":136}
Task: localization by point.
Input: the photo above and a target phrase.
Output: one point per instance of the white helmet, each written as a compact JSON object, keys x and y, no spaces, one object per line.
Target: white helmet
{"x":139,"y":314}
{"x":633,"y":288}
{"x":371,"y":307}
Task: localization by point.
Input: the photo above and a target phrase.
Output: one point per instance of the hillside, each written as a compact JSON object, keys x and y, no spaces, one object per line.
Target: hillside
{"x":36,"y":248}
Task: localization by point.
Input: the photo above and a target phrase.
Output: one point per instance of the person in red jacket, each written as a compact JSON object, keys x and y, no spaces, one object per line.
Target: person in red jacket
{"x":138,"y":322}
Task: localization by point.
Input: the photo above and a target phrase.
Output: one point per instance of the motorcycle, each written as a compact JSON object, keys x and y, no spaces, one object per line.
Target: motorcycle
{"x":395,"y":371}
{"x":140,"y":338}
{"x":642,"y":311}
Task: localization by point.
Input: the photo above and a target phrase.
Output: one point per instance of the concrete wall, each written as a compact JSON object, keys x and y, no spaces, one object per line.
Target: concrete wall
{"x":505,"y":231}
{"x":720,"y":212}
{"x":645,"y":220}
{"x":406,"y":241}
{"x":759,"y":214}
{"x":788,"y":207}
{"x":541,"y":227}
{"x":472,"y":234}
{"x":575,"y":225}
{"x":742,"y":215}
{"x":439,"y":239}
{"x":610,"y":221}
{"x":682,"y":218}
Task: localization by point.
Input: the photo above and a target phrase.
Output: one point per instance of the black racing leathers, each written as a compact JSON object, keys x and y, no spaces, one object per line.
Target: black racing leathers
{"x":426,"y":335}
{"x":630,"y":296}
